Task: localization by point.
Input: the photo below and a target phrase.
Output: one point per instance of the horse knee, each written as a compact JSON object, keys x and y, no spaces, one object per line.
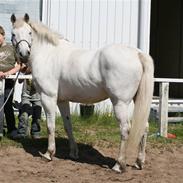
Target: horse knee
{"x":50,"y":128}
{"x":124,"y":131}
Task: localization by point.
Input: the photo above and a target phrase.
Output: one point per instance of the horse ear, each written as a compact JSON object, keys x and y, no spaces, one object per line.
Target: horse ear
{"x":13,"y":18}
{"x":26,"y":18}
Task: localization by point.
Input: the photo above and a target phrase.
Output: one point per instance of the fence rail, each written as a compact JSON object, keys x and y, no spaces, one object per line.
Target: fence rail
{"x":163,"y":101}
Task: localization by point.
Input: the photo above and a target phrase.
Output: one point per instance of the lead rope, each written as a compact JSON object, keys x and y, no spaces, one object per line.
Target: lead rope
{"x":11,"y":91}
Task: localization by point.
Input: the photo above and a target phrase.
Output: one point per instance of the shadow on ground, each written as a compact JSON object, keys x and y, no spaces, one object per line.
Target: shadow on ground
{"x":87,"y":154}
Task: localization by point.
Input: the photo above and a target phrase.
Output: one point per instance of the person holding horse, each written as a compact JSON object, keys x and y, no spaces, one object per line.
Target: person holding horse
{"x":30,"y":105}
{"x":8,"y":65}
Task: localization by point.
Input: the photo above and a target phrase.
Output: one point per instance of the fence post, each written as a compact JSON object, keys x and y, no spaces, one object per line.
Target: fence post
{"x":163,"y":108}
{"x":2,"y":81}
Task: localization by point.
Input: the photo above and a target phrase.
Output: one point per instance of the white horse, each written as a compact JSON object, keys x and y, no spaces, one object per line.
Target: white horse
{"x":63,"y":72}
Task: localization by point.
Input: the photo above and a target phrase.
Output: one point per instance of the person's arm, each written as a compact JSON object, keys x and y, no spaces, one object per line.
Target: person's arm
{"x":13,"y":70}
{"x":10,"y":72}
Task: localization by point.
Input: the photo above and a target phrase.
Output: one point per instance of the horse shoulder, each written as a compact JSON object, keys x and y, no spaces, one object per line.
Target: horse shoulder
{"x":45,"y":84}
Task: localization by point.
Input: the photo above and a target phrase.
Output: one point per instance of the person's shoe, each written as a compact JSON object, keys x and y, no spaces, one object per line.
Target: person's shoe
{"x":19,"y":136}
{"x":1,"y":136}
{"x":12,"y":134}
{"x":35,"y":136}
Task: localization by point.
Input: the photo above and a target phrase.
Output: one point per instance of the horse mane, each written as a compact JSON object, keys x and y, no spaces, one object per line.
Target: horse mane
{"x":41,"y":30}
{"x":44,"y":32}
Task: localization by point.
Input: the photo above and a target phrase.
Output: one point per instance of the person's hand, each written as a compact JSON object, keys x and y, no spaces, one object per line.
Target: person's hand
{"x":23,"y":68}
{"x":2,"y":75}
{"x":28,"y":70}
{"x":20,"y":80}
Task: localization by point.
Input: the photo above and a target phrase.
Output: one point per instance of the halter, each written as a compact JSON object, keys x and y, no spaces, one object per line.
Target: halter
{"x":16,"y":44}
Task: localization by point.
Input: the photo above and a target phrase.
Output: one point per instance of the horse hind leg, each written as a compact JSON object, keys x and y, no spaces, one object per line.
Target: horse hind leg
{"x":121,"y":113}
{"x":141,"y":153}
{"x":65,"y":112}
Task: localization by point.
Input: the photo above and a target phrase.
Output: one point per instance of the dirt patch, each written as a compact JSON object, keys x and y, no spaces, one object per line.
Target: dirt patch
{"x":22,"y":165}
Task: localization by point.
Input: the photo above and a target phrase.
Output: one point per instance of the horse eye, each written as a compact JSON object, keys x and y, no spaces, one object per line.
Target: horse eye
{"x":30,"y":33}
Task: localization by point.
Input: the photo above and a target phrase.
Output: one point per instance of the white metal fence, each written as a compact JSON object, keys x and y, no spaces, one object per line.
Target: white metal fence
{"x":163,"y":102}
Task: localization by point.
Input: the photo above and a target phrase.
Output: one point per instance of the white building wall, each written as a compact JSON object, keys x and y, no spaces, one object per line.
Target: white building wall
{"x":19,"y":8}
{"x":95,"y":23}
{"x":144,"y":25}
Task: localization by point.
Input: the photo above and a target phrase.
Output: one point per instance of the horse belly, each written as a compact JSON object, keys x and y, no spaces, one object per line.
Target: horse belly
{"x":83,"y":95}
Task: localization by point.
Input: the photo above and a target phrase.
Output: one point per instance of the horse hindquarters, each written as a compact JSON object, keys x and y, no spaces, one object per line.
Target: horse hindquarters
{"x":131,"y":141}
{"x":121,"y":72}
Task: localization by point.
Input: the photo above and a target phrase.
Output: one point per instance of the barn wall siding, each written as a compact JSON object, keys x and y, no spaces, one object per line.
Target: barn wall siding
{"x":94,"y":23}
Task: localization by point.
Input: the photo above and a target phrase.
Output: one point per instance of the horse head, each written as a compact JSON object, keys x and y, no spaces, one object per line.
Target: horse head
{"x":21,"y":37}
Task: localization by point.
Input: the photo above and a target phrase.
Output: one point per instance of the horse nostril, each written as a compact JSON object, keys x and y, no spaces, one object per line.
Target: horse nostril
{"x":20,"y":54}
{"x":28,"y":52}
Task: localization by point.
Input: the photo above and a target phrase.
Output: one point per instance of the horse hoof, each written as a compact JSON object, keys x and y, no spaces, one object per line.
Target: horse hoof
{"x":119,"y":168}
{"x":45,"y":156}
{"x":116,"y":168}
{"x":139,"y":164}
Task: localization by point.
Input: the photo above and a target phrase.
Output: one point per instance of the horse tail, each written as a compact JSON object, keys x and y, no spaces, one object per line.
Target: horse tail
{"x":142,"y":102}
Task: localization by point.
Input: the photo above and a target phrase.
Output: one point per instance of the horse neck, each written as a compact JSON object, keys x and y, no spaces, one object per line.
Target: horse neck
{"x":41,"y":46}
{"x":38,"y":40}
{"x":41,"y":39}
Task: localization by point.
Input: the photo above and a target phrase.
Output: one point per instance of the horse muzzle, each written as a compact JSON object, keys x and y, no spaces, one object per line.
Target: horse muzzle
{"x":23,"y":59}
{"x":23,"y":49}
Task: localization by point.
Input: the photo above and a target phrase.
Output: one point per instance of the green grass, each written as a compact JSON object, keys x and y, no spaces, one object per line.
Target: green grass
{"x":176,"y":128}
{"x":101,"y":130}
{"x":98,"y":129}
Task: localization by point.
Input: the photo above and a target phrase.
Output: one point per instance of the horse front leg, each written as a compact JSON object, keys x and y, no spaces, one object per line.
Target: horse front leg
{"x":65,"y":112}
{"x":121,"y":113}
{"x":49,"y":105}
